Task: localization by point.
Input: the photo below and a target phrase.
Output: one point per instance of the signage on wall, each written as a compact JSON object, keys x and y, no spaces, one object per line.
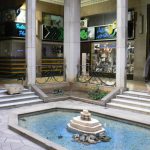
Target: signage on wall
{"x":83,"y":34}
{"x":52,"y":20}
{"x":13,"y":29}
{"x":52,"y":33}
{"x":84,"y":23}
{"x":21,"y":16}
{"x":12,"y":15}
{"x":52,"y":28}
{"x":20,"y":26}
{"x":21,"y":29}
{"x":91,"y":33}
{"x":106,"y":32}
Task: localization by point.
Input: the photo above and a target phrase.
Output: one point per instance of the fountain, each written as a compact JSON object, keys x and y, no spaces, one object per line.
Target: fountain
{"x":88,"y":130}
{"x":85,"y":124}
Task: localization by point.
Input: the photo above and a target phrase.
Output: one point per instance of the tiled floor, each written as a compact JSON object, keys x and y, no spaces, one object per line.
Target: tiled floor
{"x":10,"y":140}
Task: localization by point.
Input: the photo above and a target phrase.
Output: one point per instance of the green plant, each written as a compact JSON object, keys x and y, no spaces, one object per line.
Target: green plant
{"x":97,"y":94}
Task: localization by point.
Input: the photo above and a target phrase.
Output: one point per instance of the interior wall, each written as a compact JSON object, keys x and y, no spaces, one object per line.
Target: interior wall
{"x":140,"y":8}
{"x":101,"y":19}
{"x":48,"y":8}
{"x":140,"y":40}
{"x":100,"y":8}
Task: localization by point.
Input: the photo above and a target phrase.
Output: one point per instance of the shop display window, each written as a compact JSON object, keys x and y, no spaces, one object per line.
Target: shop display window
{"x":50,"y":50}
{"x":103,"y":58}
{"x":52,"y":59}
{"x":12,"y":48}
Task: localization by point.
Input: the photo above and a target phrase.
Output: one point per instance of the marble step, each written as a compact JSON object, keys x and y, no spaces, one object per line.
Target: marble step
{"x":20,"y":98}
{"x":20,"y":103}
{"x":5,"y":95}
{"x":131,"y":103}
{"x":4,"y":90}
{"x":137,"y":94}
{"x":129,"y":108}
{"x":133,"y":98}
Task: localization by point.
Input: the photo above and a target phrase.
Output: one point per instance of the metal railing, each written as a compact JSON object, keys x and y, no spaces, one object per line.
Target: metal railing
{"x":50,"y":73}
{"x":96,"y":75}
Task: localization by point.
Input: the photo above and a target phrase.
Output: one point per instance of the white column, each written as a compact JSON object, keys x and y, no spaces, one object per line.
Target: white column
{"x":122,"y":26}
{"x":71,"y":38}
{"x":31,"y":41}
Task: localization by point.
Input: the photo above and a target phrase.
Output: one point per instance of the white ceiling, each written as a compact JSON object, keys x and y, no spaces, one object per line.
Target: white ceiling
{"x":83,"y":2}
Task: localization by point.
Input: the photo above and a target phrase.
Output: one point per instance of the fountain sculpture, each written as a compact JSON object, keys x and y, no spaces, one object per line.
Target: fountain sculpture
{"x":85,"y":124}
{"x":88,"y":130}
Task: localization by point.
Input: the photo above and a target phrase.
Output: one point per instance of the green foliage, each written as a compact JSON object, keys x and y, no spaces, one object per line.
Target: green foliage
{"x":97,"y":94}
{"x":58,"y":92}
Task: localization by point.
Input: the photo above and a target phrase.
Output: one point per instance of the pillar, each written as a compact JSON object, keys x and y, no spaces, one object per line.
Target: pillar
{"x":31,"y":41}
{"x":121,"y":58}
{"x":71,"y":38}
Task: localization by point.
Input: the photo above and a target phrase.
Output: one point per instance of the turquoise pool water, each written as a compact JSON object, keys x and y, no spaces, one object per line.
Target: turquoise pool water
{"x":51,"y":125}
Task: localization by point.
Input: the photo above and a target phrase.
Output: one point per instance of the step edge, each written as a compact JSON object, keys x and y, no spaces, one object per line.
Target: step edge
{"x":131,"y":102}
{"x":17,"y":103}
{"x":128,"y":107}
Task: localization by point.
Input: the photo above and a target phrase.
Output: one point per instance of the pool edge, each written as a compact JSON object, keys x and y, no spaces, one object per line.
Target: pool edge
{"x":14,"y":116}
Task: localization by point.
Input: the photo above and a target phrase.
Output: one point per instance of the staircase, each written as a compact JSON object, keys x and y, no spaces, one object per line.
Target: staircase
{"x":133,"y":101}
{"x":25,"y":98}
